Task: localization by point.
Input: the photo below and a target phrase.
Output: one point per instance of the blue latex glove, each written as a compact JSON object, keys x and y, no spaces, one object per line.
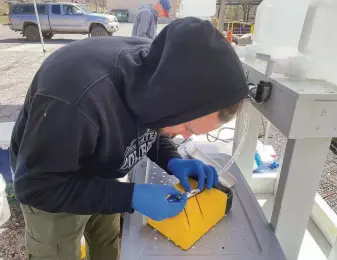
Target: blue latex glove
{"x":182,"y":169}
{"x":151,"y":200}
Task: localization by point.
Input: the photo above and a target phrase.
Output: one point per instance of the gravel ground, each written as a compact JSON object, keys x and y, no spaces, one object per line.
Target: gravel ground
{"x":12,"y":235}
{"x":17,"y":69}
{"x":328,"y":184}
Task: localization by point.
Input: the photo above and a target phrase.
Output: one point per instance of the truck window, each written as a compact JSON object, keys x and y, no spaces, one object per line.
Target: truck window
{"x":70,"y":9}
{"x":41,"y":9}
{"x":17,"y":9}
{"x":28,"y":9}
{"x":23,"y":9}
{"x":56,"y":9}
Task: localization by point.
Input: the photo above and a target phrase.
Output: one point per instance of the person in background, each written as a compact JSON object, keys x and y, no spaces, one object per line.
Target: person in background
{"x":78,"y":132}
{"x":145,"y":24}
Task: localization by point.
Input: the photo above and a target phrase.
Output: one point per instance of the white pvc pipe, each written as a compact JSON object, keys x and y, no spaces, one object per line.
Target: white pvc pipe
{"x":39,"y":25}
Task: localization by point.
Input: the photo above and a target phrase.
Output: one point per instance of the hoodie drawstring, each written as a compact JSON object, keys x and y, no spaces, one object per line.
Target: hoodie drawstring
{"x":137,"y":143}
{"x":158,"y":136}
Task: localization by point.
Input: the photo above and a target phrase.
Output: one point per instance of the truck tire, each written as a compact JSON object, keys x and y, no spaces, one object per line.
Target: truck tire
{"x":47,"y":36}
{"x":98,"y":30}
{"x":32,"y":33}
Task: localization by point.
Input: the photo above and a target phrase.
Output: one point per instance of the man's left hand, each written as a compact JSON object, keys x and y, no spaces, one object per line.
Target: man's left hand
{"x":182,"y":169}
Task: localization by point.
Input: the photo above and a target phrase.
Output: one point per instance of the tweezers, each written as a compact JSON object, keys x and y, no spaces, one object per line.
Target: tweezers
{"x":189,"y":194}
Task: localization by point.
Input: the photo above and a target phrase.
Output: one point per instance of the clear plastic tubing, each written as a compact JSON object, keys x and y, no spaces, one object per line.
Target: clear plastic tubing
{"x":241,"y":142}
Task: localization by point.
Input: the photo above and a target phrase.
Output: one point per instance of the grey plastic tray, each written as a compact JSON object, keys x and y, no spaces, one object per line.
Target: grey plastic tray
{"x":244,"y":234}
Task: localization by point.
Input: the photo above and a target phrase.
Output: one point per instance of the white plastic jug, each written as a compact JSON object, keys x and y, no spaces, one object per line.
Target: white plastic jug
{"x":319,"y":39}
{"x":4,"y":207}
{"x":305,"y":28}
{"x":279,"y":23}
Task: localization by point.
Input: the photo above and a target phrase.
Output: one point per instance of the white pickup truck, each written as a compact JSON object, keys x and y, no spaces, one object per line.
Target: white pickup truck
{"x":60,"y":18}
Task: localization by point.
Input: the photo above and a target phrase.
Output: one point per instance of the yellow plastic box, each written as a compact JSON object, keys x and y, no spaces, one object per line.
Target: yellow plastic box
{"x":201,"y":213}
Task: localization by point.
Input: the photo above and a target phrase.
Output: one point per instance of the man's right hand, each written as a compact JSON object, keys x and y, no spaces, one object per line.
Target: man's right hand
{"x":151,"y":200}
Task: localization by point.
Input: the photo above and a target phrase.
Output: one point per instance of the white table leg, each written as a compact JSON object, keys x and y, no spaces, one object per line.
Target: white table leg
{"x":333,"y":254}
{"x":245,"y":160}
{"x":299,"y":178}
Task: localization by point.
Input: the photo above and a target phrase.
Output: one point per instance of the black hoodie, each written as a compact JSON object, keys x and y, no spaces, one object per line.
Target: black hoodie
{"x":94,"y":108}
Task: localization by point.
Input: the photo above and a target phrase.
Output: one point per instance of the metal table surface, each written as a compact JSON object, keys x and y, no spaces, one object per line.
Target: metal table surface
{"x":243,"y":234}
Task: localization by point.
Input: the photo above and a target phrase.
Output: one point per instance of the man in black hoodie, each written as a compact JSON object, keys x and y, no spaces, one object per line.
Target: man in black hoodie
{"x":93,"y":111}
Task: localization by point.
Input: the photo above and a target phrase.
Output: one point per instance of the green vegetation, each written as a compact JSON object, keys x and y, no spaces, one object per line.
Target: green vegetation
{"x":10,"y":192}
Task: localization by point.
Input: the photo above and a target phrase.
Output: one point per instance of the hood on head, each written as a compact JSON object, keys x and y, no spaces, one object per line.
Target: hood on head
{"x":189,"y":71}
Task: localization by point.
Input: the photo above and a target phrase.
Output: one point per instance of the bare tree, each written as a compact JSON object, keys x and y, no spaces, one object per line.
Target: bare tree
{"x":246,"y":8}
{"x":233,"y":13}
{"x":217,"y":10}
{"x":104,"y":5}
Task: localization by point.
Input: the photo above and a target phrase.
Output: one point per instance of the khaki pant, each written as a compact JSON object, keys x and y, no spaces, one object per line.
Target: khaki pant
{"x":52,"y":236}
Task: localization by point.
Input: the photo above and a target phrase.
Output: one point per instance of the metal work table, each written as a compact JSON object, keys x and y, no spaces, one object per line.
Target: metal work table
{"x":243,"y":234}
